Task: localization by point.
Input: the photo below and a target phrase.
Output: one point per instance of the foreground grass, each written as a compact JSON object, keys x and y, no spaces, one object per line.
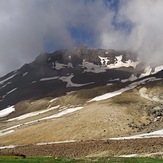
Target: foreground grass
{"x":14,"y":159}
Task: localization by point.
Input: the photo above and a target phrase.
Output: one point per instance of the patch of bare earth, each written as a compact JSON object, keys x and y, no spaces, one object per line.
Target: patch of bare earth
{"x":123,"y":115}
{"x":94,"y":148}
{"x":95,"y":121}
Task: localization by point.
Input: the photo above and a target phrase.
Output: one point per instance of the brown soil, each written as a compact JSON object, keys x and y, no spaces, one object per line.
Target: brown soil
{"x":90,"y":148}
{"x":94,"y":121}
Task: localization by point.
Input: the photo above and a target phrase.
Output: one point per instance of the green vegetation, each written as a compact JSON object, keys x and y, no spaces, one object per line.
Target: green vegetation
{"x":15,"y":159}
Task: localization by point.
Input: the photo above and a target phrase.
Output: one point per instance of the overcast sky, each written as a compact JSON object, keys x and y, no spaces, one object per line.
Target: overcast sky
{"x":31,"y":27}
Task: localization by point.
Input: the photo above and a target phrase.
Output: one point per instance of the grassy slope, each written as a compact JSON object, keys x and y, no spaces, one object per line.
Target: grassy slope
{"x":97,"y":160}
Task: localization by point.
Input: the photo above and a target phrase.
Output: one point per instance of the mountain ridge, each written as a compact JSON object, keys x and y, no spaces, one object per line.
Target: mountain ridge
{"x":68,"y":70}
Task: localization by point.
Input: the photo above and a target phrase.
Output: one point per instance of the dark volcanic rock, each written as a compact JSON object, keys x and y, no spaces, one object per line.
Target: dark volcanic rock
{"x":67,"y":70}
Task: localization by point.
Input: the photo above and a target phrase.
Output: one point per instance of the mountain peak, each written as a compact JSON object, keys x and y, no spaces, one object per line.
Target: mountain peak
{"x":68,"y":70}
{"x":41,"y":59}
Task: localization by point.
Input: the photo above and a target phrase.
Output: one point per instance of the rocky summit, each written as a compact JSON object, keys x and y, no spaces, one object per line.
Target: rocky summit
{"x":68,"y":70}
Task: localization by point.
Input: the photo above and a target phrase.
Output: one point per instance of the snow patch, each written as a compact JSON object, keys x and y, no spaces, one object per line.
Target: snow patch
{"x":70,"y":65}
{"x":132,"y":78}
{"x":119,"y":63}
{"x":67,"y":111}
{"x":59,"y":66}
{"x":118,"y":92}
{"x":25,"y":74}
{"x":108,"y":84}
{"x":49,"y":78}
{"x":158,"y":133}
{"x":110,"y":94}
{"x":158,"y":68}
{"x":66,"y":79}
{"x":5,"y":85}
{"x":32,"y":114}
{"x":8,"y":147}
{"x":70,"y":83}
{"x":52,"y":100}
{"x":9,"y":92}
{"x":147,"y":71}
{"x":150,"y":71}
{"x":68,"y":93}
{"x":130,"y":155}
{"x":7,"y":111}
{"x":58,"y":142}
{"x":112,"y":80}
{"x":104,"y":60}
{"x":10,"y":77}
{"x":7,"y":132}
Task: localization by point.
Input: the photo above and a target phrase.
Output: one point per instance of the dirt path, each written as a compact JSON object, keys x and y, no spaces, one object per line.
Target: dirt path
{"x":91,"y":148}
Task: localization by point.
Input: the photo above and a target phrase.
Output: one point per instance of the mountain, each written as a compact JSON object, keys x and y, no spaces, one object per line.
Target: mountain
{"x":81,"y":94}
{"x":69,"y":70}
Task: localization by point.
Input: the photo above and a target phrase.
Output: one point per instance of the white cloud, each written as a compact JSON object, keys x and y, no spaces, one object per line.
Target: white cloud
{"x":27,"y":25}
{"x":146,"y":35}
